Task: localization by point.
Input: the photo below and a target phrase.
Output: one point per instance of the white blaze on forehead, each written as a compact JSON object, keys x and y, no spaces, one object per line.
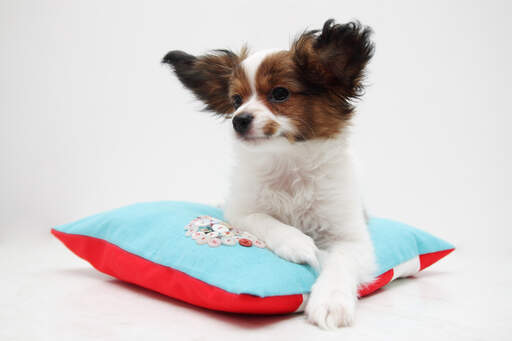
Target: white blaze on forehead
{"x":251,"y":65}
{"x":253,"y":62}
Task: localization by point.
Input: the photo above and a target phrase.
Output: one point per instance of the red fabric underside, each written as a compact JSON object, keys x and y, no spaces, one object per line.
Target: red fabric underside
{"x":427,"y":259}
{"x":112,"y":260}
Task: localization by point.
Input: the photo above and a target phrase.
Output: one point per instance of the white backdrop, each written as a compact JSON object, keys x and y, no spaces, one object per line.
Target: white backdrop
{"x":90,"y":120}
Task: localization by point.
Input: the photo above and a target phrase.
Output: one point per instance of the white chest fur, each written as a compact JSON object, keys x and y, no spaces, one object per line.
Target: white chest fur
{"x":309,"y":186}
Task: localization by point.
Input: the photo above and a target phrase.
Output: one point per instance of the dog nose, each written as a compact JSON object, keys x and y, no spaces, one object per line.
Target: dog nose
{"x":241,"y":122}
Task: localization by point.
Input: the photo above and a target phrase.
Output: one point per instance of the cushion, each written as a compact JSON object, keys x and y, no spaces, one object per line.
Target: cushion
{"x":185,"y":251}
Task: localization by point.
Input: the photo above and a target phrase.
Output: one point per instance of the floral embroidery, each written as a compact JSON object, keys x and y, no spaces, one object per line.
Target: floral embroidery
{"x":215,"y":232}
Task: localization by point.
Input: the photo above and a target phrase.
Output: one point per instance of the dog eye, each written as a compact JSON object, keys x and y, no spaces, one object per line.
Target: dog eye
{"x":279,"y":94}
{"x":237,"y":101}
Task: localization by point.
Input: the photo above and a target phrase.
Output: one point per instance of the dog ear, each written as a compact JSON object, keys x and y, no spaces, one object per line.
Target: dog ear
{"x":335,"y":57}
{"x":207,"y":76}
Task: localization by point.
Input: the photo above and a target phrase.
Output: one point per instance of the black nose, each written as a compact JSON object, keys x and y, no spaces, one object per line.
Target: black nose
{"x":242,"y":122}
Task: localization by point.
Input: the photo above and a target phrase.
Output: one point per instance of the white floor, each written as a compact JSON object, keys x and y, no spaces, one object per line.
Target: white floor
{"x":50,"y":294}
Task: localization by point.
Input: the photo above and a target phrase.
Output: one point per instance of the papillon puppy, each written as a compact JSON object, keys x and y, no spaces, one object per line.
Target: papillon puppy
{"x":294,"y":185}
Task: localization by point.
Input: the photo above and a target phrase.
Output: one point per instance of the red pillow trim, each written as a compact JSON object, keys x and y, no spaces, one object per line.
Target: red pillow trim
{"x":114,"y":261}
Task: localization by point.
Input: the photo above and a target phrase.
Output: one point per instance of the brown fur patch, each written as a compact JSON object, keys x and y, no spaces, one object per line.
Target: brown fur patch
{"x":240,"y":84}
{"x":270,"y":128}
{"x":314,"y":114}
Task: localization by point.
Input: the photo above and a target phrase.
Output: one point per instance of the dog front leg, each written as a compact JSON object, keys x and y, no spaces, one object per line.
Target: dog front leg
{"x":345,"y":265}
{"x":284,"y":240}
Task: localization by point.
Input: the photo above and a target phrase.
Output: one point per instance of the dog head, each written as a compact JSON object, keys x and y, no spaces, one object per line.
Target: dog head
{"x":293,"y":95}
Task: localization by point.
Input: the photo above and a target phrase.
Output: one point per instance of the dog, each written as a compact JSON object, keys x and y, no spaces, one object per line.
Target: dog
{"x":294,"y":185}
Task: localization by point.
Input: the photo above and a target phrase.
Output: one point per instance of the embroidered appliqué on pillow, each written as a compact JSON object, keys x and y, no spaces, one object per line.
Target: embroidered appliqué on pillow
{"x":215,"y":232}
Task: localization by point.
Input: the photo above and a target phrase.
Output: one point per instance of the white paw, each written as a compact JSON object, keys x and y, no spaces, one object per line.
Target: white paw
{"x":330,"y":308}
{"x":296,"y":247}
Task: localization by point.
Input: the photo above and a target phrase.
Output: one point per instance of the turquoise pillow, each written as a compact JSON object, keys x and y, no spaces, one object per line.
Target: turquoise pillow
{"x":164,"y":246}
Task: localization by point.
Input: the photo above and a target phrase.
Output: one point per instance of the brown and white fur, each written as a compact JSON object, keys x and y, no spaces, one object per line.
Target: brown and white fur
{"x":294,"y":185}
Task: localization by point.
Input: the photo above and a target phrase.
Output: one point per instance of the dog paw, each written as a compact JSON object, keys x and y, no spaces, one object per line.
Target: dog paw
{"x":330,"y":309}
{"x":298,"y":248}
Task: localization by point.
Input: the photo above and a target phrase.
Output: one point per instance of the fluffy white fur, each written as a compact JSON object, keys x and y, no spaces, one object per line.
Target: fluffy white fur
{"x":302,"y":200}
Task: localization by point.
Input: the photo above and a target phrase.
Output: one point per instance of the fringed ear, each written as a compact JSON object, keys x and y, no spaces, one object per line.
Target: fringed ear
{"x":207,"y":76}
{"x":334,"y":57}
